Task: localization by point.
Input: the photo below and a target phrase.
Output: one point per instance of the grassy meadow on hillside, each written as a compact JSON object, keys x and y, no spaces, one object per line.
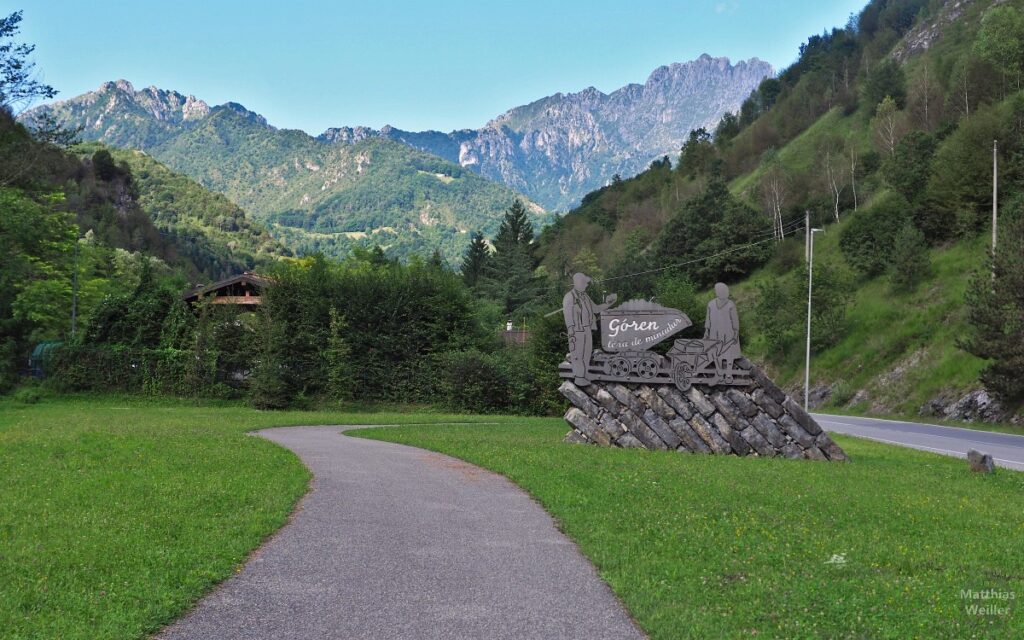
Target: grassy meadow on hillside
{"x":900,"y":348}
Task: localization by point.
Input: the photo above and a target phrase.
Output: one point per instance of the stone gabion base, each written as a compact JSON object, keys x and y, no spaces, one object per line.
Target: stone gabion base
{"x":759,"y":419}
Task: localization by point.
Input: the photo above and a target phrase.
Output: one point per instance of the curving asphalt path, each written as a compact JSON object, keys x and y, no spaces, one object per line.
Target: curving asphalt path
{"x":398,"y":542}
{"x":1007,"y":450}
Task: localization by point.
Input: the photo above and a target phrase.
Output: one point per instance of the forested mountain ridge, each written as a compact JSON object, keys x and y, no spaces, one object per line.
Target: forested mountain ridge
{"x":883,"y":130}
{"x":313,"y":196}
{"x":215,"y":234}
{"x":558,"y":148}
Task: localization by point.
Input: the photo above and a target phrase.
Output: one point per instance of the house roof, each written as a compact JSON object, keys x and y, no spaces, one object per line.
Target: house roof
{"x":246,"y":278}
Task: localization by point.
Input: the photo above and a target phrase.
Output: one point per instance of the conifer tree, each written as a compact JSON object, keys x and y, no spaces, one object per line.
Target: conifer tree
{"x":437,"y":260}
{"x":995,"y":308}
{"x":909,"y":263}
{"x":509,"y":276}
{"x":475,"y":260}
{"x":515,"y":230}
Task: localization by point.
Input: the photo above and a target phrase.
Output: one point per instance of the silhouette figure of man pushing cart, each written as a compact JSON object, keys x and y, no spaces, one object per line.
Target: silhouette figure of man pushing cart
{"x":580,"y":321}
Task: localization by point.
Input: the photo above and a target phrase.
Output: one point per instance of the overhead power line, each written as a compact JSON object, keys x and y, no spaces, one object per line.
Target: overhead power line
{"x":796,"y":225}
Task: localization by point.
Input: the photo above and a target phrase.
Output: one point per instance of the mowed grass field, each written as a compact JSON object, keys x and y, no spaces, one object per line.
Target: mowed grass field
{"x":117,"y":514}
{"x":723,"y":547}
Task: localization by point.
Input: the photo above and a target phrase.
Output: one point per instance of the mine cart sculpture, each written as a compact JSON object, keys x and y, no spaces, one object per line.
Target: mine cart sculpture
{"x":622,"y":393}
{"x":630,"y":330}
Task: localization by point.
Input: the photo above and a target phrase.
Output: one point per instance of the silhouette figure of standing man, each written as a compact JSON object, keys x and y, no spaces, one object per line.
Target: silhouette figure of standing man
{"x":580,"y":320}
{"x":723,"y":325}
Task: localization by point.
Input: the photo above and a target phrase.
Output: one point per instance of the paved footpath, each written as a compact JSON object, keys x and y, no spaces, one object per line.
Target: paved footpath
{"x":398,"y":542}
{"x":1007,"y":449}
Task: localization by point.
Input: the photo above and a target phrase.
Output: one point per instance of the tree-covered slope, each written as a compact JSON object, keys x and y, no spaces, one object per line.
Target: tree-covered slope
{"x":212,"y":232}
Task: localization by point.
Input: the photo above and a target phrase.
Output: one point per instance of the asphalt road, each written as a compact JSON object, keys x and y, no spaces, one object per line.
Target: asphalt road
{"x":1007,"y":450}
{"x":397,"y":542}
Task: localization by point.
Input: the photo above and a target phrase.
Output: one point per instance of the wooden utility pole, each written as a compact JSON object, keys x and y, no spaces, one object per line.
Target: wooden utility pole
{"x":807,"y":235}
{"x":995,"y":192}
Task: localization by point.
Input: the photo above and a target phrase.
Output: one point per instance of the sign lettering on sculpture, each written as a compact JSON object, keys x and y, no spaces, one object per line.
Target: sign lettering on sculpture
{"x":629,"y":331}
{"x":640,"y":329}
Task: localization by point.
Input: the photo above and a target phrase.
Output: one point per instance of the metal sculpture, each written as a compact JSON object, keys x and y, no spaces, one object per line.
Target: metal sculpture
{"x":629,"y":331}
{"x":722,"y":324}
{"x":580,"y":321}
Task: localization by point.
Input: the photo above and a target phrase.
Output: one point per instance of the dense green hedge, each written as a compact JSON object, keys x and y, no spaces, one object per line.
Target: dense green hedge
{"x":501,"y":381}
{"x":126,"y":369}
{"x":327,"y":331}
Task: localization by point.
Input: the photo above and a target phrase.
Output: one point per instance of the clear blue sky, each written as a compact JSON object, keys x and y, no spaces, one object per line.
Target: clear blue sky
{"x":415,"y":65}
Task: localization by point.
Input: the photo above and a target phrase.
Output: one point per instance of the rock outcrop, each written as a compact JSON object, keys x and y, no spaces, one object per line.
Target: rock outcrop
{"x":759,"y":419}
{"x":976,"y":406}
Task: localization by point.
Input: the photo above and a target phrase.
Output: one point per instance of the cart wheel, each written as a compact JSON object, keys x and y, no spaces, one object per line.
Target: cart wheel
{"x":618,"y":367}
{"x":647,"y":368}
{"x":681,"y":374}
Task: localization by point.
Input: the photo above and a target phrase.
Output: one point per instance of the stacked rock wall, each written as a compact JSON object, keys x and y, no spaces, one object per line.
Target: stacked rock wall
{"x":758,"y":419}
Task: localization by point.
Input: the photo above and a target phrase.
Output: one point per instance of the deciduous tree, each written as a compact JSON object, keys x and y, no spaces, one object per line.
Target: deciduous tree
{"x":888,"y":125}
{"x":18,"y":87}
{"x":1000,"y":41}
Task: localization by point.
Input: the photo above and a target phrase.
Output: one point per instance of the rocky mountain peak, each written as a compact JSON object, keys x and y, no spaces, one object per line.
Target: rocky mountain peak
{"x":120,"y":96}
{"x":236,"y":108}
{"x":348,"y":135}
{"x":194,"y":108}
{"x":119,"y":85}
{"x":559,"y":147}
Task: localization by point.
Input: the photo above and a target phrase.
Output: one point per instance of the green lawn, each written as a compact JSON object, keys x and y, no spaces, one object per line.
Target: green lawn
{"x":116,"y":514}
{"x":709,"y":547}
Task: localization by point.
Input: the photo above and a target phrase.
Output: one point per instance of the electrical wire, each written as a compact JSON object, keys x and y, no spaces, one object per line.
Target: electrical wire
{"x":795,"y":227}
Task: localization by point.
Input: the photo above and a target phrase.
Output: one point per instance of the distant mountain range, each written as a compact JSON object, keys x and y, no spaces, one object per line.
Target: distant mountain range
{"x":413,"y":192}
{"x":312,"y":196}
{"x":557,"y":149}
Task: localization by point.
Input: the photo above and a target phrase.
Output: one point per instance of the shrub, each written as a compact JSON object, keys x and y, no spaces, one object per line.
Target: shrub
{"x":842,"y":393}
{"x":8,"y":364}
{"x":473,"y":381}
{"x":268,"y":390}
{"x":869,"y":241}
{"x":28,"y":395}
{"x":782,"y":304}
{"x":777,"y":315}
{"x":909,"y":262}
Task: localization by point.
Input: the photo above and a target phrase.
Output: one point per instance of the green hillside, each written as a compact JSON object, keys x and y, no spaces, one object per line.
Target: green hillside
{"x":898,"y":350}
{"x":882,"y":131}
{"x":209,"y":230}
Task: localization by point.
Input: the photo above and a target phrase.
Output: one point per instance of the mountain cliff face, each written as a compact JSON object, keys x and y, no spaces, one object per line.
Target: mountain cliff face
{"x":312,"y":195}
{"x":559,"y":148}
